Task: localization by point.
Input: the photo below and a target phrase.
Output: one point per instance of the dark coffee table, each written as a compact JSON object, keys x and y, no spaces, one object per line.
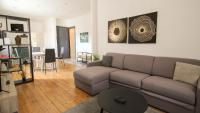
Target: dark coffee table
{"x":122,"y":100}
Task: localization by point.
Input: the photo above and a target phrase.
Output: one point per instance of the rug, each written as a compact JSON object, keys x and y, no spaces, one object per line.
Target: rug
{"x":91,"y":106}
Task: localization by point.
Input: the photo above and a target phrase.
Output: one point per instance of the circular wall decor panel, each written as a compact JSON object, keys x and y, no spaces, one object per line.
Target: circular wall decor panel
{"x":142,"y":29}
{"x":117,"y":31}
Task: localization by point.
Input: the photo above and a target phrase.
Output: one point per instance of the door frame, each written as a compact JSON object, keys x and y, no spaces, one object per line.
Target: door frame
{"x":72,"y":27}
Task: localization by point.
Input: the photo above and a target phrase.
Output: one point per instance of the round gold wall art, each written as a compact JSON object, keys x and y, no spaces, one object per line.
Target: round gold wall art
{"x":117,"y":31}
{"x":142,"y":29}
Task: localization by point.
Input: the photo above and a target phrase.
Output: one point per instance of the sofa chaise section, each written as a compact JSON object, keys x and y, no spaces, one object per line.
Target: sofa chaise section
{"x":93,"y":79}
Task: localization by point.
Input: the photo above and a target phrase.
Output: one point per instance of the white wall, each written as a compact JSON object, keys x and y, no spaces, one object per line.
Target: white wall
{"x":82,"y":24}
{"x":177,"y":28}
{"x":93,"y":25}
{"x":50,"y":40}
{"x":37,"y":33}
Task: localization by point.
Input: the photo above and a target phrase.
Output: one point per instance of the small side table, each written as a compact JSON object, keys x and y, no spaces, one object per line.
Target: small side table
{"x":8,"y":100}
{"x":122,"y":100}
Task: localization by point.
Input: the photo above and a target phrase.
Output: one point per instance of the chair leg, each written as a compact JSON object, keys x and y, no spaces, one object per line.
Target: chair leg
{"x":63,"y":62}
{"x":45,"y":67}
{"x":55,"y":66}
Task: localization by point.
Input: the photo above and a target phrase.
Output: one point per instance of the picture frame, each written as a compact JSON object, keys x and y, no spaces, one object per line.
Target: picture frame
{"x":143,"y":28}
{"x":84,"y":37}
{"x":117,"y":30}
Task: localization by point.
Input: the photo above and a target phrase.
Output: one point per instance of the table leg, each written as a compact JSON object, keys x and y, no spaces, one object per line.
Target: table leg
{"x":101,"y":110}
{"x":42,"y":64}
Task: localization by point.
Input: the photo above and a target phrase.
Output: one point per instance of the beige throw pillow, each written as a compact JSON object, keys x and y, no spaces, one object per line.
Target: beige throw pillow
{"x":187,"y":73}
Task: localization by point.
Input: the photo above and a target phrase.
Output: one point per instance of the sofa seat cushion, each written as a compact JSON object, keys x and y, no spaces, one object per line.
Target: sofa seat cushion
{"x":93,"y":75}
{"x":131,"y":78}
{"x":173,"y":89}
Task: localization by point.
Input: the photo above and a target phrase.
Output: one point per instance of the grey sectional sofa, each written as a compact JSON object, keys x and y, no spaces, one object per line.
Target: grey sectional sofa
{"x":153,"y":76}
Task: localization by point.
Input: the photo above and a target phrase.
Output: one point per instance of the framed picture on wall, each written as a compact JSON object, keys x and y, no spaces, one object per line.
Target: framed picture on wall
{"x":84,"y":37}
{"x":142,"y":28}
{"x":117,"y":31}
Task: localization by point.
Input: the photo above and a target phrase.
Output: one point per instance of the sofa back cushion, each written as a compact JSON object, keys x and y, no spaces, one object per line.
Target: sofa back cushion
{"x":139,"y":63}
{"x":117,"y":60}
{"x":165,"y":66}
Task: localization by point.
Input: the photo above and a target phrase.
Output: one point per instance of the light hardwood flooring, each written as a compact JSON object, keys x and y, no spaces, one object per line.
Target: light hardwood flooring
{"x":53,"y":92}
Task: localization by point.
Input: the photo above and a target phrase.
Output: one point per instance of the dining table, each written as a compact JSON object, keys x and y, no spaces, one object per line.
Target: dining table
{"x":38,"y":58}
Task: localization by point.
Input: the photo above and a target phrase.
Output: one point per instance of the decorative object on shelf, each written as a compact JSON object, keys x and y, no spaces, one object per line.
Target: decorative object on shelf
{"x":18,"y":40}
{"x":17,"y":27}
{"x":1,"y":48}
{"x":23,"y":74}
{"x":142,"y":28}
{"x":24,"y":36}
{"x":117,"y":31}
{"x":22,"y":52}
{"x":84,"y":37}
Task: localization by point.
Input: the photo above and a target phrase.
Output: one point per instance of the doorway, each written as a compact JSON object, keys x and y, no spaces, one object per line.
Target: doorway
{"x":72,"y":38}
{"x":63,"y":41}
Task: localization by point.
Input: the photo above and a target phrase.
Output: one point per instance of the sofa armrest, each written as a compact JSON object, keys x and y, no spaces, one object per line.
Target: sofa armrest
{"x":197,"y":107}
{"x":90,"y":64}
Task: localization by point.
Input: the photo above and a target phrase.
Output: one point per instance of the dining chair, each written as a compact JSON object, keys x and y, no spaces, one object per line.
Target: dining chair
{"x":35,"y":49}
{"x":50,"y":58}
{"x":60,"y":57}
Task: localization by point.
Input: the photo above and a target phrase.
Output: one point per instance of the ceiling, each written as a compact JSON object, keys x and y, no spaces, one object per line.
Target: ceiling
{"x":41,"y":9}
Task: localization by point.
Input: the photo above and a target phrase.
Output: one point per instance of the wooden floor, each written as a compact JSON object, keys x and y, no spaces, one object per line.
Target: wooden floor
{"x":51,"y":93}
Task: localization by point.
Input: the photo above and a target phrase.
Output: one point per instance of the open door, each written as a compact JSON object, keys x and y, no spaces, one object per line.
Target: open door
{"x":63,"y":41}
